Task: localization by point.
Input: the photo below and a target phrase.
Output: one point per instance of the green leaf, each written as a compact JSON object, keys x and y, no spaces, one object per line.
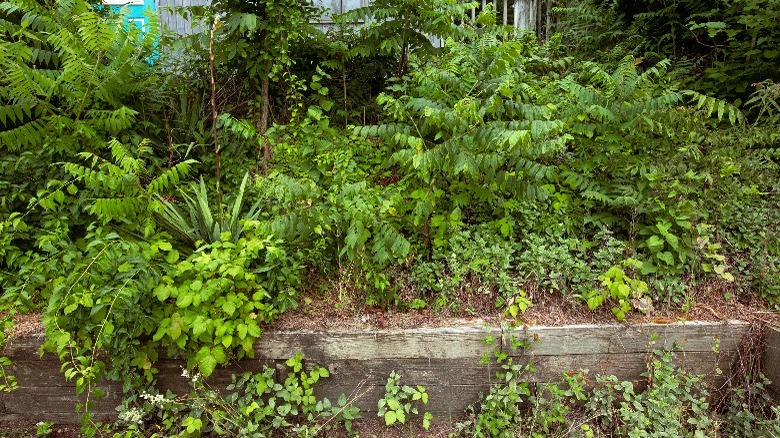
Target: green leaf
{"x":655,"y":243}
{"x":390,"y":418}
{"x":174,"y":331}
{"x":184,"y":300}
{"x":427,"y":417}
{"x":108,"y":328}
{"x":206,"y":361}
{"x":393,"y":404}
{"x":172,"y":257}
{"x":242,"y":330}
{"x":219,"y":354}
{"x":253,"y":330}
{"x":163,"y":291}
{"x":673,"y":241}
{"x":229,"y":307}
{"x":667,"y":257}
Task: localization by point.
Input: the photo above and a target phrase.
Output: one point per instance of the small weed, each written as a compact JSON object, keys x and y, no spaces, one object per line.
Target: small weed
{"x":400,"y":401}
{"x":44,"y":428}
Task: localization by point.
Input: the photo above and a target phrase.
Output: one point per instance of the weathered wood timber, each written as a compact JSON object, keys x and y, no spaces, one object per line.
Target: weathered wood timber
{"x":447,"y":361}
{"x":771,"y":359}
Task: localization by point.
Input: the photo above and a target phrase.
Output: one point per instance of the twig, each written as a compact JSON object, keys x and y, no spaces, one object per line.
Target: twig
{"x":353,"y":397}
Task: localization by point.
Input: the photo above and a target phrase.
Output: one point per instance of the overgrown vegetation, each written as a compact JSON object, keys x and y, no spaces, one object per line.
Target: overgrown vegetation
{"x":671,"y":402}
{"x":257,"y":404}
{"x":165,"y":196}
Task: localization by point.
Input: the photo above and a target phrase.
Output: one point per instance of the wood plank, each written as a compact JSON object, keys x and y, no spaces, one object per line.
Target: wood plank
{"x":771,"y":358}
{"x":39,"y":373}
{"x":426,"y":372}
{"x":322,"y":346}
{"x":610,"y":339}
{"x":37,"y":402}
{"x":25,"y":347}
{"x":70,"y":417}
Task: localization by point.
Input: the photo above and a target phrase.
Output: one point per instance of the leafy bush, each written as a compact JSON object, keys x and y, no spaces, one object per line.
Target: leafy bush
{"x":256,"y":405}
{"x":501,"y":411}
{"x":751,"y":411}
{"x":618,"y":285}
{"x":675,"y":403}
{"x":401,"y":28}
{"x":72,"y":79}
{"x":216,"y":299}
{"x":478,"y":264}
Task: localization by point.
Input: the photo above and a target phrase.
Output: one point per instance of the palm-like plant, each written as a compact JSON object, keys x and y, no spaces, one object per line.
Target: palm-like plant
{"x":198,"y":222}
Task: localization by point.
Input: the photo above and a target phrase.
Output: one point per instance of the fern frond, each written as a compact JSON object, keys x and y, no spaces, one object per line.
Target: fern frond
{"x":170,"y":178}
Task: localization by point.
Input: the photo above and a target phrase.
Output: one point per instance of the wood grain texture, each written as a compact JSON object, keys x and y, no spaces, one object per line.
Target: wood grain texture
{"x":323,"y":346}
{"x":771,"y":360}
{"x":43,"y":403}
{"x":619,"y":339}
{"x":444,"y":360}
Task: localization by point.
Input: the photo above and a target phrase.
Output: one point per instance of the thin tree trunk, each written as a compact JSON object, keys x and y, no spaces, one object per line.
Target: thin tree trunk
{"x":506,"y":11}
{"x":548,"y":28}
{"x":214,"y":116}
{"x":521,"y":14}
{"x":539,"y":18}
{"x":344,"y":86}
{"x":532,"y":15}
{"x":262,"y":123}
{"x":404,"y":48}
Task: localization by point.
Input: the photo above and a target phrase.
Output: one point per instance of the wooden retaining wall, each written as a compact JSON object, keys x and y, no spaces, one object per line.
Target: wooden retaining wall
{"x":771,"y":359}
{"x":445,"y":360}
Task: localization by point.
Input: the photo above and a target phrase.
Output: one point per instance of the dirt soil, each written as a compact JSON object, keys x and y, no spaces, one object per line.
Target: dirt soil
{"x":708,"y":302}
{"x":20,"y":429}
{"x":325,"y":311}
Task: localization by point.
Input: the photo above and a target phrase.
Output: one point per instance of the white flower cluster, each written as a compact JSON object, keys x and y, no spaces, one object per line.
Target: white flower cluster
{"x":186,"y":374}
{"x":131,"y":416}
{"x":156,"y":400}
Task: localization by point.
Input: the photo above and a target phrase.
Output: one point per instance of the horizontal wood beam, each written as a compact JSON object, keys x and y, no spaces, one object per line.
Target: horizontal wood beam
{"x":447,"y":361}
